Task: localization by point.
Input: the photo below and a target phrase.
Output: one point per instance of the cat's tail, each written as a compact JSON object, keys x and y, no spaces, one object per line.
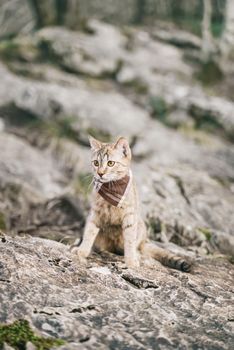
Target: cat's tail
{"x":165,"y":257}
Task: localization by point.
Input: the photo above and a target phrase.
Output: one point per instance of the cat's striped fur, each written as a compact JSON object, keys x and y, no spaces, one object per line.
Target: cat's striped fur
{"x":121,"y":229}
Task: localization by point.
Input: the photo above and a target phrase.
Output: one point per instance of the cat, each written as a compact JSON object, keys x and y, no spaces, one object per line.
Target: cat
{"x":115,"y":223}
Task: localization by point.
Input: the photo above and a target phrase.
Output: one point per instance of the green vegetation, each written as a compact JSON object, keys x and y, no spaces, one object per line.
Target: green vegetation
{"x":138,"y":86}
{"x":159,"y":108}
{"x":206,"y":232}
{"x":207,"y":122}
{"x":19,"y":49}
{"x":46,"y":51}
{"x":9,"y":49}
{"x":61,"y":128}
{"x":199,"y":136}
{"x":217,"y":28}
{"x":2,"y":222}
{"x":155,"y":227}
{"x":82,"y":184}
{"x":209,"y":73}
{"x":17,"y":335}
{"x":193,"y":25}
{"x":99,"y":134}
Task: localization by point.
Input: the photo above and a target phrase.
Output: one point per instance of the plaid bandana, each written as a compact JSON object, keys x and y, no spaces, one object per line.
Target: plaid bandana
{"x":114,"y":192}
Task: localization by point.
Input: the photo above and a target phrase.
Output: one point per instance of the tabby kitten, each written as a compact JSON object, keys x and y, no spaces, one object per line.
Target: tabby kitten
{"x":115,"y":223}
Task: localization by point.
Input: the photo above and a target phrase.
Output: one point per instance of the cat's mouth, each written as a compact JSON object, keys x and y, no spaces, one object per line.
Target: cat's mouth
{"x":100,"y":180}
{"x":105,"y":180}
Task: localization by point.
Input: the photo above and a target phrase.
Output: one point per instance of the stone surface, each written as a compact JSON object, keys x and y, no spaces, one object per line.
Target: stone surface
{"x":85,"y":53}
{"x":178,"y":38}
{"x":135,"y":58}
{"x":88,"y":108}
{"x":108,"y":307}
{"x":20,"y":163}
{"x":15,"y":16}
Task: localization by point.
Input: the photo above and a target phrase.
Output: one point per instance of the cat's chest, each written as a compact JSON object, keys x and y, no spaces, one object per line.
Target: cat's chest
{"x":108,"y":214}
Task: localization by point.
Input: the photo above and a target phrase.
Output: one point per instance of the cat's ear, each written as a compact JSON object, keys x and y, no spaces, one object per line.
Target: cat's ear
{"x":95,"y":144}
{"x":123,"y":145}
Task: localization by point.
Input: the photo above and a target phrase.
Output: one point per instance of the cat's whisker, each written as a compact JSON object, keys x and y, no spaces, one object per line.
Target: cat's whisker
{"x":91,"y":183}
{"x":86,"y":176}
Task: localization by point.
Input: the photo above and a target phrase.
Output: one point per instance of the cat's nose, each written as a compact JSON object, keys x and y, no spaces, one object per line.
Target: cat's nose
{"x":100,"y":174}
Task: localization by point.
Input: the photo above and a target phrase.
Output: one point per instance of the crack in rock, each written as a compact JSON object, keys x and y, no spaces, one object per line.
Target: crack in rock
{"x":139,"y":283}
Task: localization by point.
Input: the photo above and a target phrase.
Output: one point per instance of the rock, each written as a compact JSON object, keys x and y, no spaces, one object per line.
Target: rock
{"x":7,"y":347}
{"x":207,"y":111}
{"x":23,"y":48}
{"x":23,"y":165}
{"x":178,"y":118}
{"x":147,"y":58}
{"x":180,"y":202}
{"x":182,"y":188}
{"x":178,"y":38}
{"x":166,"y":147}
{"x":223,"y":242}
{"x":140,"y":308}
{"x":30,"y":346}
{"x":16,"y":17}
{"x":151,"y":67}
{"x":2,"y":125}
{"x":85,"y":53}
{"x":217,"y":109}
{"x":28,"y":177}
{"x":88,"y":108}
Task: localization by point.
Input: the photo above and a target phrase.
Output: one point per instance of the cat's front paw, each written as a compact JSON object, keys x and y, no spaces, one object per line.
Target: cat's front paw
{"x":132,"y":263}
{"x":80,"y":255}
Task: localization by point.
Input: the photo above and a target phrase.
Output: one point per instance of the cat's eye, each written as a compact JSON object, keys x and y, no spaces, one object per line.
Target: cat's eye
{"x":95,"y":162}
{"x":110,"y":163}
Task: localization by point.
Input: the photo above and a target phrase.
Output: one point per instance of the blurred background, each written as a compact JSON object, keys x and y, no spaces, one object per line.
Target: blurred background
{"x":160,"y":72}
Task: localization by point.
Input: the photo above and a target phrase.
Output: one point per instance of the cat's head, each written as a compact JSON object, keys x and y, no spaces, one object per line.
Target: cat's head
{"x":110,"y":161}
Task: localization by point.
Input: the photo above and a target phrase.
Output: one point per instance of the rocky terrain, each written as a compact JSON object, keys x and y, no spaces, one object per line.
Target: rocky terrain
{"x":106,"y":306}
{"x":57,"y":86}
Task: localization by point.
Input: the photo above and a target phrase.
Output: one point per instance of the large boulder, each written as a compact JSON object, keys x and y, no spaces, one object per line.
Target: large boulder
{"x":146,"y":58}
{"x":186,"y":206}
{"x":85,"y":53}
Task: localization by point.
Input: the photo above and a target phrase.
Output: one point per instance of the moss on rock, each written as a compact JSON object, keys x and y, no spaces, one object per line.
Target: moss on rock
{"x":206,"y":232}
{"x":18,"y":333}
{"x":2,"y":222}
{"x":159,"y":108}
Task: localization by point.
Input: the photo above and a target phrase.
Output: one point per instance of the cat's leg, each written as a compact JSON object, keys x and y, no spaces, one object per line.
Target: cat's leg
{"x":90,"y":234}
{"x":130,"y":227}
